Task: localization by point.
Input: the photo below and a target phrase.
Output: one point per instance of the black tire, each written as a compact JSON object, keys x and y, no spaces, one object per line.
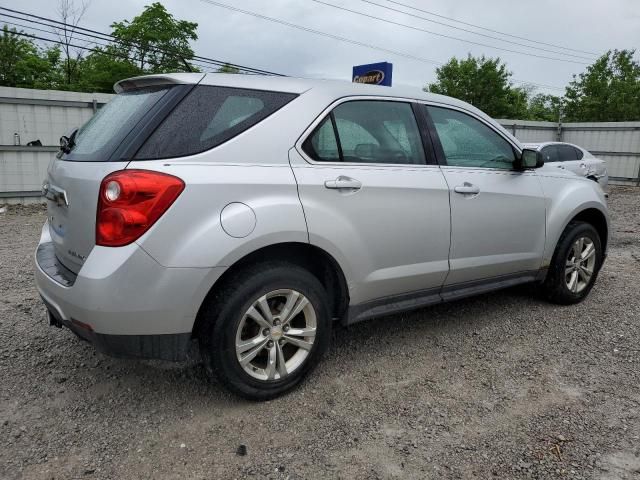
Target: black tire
{"x":225,"y":310}
{"x":555,"y":286}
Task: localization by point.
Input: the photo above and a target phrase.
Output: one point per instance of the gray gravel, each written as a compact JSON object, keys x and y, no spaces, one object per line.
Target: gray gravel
{"x":503,"y":386}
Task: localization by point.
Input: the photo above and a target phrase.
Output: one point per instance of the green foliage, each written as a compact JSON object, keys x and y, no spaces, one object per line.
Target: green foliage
{"x":155,"y":41}
{"x":544,"y":107}
{"x":23,"y":64}
{"x":482,"y":82}
{"x":609,"y":90}
{"x":102,"y":69}
{"x":226,"y":68}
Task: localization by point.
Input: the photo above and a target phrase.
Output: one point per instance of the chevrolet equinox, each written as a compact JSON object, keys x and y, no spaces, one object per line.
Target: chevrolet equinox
{"x":250,"y":213}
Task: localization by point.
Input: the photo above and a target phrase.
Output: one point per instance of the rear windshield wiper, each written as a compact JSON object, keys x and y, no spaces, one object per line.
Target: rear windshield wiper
{"x":67,"y":142}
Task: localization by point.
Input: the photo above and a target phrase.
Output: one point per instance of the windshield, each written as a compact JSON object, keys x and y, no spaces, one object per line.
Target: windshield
{"x":98,"y":138}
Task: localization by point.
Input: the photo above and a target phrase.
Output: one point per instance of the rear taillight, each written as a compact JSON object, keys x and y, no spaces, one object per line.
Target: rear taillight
{"x":130,"y":202}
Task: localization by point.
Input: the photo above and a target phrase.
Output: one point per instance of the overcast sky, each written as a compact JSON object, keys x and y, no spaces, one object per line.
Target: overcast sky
{"x":587,"y":25}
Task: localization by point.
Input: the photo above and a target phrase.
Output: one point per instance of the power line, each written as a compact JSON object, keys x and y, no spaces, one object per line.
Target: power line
{"x":94,"y":33}
{"x":348,"y":40}
{"x":54,"y":24}
{"x":489,"y":29}
{"x":81,"y":47}
{"x":474,"y":33}
{"x":103,"y":52}
{"x":318,"y":32}
{"x":444,"y":35}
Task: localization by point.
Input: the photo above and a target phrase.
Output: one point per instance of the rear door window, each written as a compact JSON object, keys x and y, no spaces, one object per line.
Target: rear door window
{"x":368,"y":131}
{"x":567,"y":153}
{"x":208,"y":117}
{"x":322,"y":146}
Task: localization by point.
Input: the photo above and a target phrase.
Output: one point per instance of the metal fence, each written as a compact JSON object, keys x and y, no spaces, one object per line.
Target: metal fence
{"x":618,"y":143}
{"x":36,"y":116}
{"x":42,"y":116}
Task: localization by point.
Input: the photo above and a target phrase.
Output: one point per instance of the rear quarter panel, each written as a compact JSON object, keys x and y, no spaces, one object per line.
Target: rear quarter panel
{"x":251,"y":168}
{"x":190,"y":233}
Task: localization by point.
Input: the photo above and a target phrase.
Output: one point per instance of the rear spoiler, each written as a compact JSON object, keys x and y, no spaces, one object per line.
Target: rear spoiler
{"x":155,"y":80}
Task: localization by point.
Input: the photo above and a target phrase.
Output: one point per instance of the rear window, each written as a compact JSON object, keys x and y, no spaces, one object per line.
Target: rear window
{"x":96,"y":140}
{"x":209,"y":116}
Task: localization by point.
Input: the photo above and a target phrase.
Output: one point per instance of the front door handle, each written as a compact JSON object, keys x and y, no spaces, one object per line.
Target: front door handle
{"x":467,"y":189}
{"x":342,"y":182}
{"x":560,"y":166}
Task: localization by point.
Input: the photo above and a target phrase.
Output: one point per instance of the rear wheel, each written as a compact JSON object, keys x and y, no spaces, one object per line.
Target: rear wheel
{"x":575,"y":264}
{"x":266,"y":329}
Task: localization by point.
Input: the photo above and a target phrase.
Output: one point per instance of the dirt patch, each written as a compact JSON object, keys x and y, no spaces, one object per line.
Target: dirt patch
{"x":498,"y":386}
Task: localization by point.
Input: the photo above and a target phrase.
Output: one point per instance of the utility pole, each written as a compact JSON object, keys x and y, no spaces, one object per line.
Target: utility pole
{"x":559,"y":132}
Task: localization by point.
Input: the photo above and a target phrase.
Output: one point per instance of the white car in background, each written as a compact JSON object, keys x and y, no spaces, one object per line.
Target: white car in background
{"x":574,"y":158}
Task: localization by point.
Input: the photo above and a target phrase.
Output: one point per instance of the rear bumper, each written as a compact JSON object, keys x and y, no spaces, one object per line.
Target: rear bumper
{"x":172,"y":347}
{"x":123,"y":301}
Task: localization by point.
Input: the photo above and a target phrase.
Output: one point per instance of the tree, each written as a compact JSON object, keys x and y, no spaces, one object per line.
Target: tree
{"x":100,"y":70}
{"x":70,"y":15}
{"x":226,"y":68}
{"x":544,"y":107}
{"x":155,"y":41}
{"x":609,"y":90}
{"x":482,"y":82}
{"x":23,"y":64}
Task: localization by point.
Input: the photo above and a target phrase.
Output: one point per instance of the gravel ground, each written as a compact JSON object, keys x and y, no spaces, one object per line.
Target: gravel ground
{"x":503,"y":386}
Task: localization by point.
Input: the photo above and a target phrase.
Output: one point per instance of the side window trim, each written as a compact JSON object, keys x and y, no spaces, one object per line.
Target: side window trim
{"x":442,"y":161}
{"x":429,"y":152}
{"x":336,"y":134}
{"x":433,"y":136}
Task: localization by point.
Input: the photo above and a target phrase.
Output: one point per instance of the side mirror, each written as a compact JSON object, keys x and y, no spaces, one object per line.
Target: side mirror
{"x":530,"y":159}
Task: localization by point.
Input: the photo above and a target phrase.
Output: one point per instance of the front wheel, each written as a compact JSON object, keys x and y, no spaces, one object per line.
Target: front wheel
{"x":575,"y":264}
{"x":266,"y":329}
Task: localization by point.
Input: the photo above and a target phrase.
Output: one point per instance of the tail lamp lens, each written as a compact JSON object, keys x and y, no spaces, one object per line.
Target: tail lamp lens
{"x":130,"y":202}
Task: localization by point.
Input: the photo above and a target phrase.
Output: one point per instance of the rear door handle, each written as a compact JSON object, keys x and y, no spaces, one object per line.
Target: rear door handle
{"x":560,"y":166}
{"x":343,"y":183}
{"x":467,"y":189}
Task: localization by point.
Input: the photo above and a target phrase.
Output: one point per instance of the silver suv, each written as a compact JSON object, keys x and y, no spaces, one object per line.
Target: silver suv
{"x":251,"y":213}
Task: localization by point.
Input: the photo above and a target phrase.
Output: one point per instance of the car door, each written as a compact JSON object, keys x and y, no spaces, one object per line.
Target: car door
{"x":551,"y":156}
{"x":497,"y":213}
{"x":374,"y":200}
{"x":568,"y":156}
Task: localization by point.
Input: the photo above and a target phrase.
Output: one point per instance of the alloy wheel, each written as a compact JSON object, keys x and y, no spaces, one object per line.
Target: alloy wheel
{"x":276,"y":334}
{"x":580,"y":264}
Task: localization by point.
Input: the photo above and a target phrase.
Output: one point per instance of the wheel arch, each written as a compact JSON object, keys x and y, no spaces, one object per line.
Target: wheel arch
{"x":318,"y":261}
{"x":595,"y":217}
{"x":590,"y":212}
